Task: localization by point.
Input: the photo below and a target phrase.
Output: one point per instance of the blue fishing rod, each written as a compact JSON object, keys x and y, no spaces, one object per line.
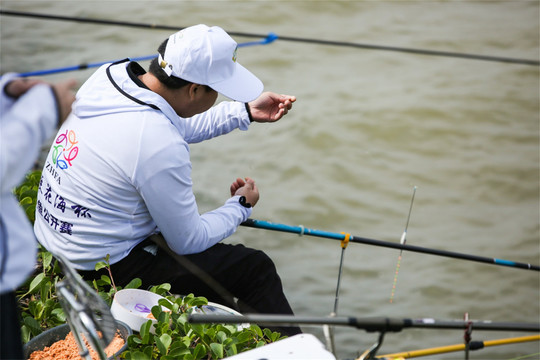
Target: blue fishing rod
{"x":78,"y":67}
{"x":267,"y":40}
{"x":301,"y":230}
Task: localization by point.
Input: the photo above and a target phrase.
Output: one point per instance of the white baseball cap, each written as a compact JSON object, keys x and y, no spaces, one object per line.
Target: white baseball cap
{"x":207,"y":56}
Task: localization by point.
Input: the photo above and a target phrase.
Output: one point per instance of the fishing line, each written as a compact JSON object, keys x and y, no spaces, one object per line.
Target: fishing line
{"x":403,"y":241}
{"x":328,"y":331}
{"x":284,"y":38}
{"x":344,"y":244}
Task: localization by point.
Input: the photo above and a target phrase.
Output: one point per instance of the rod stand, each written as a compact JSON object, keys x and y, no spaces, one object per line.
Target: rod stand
{"x":86,"y":313}
{"x":467,"y":335}
{"x":372,"y":351}
{"x":329,"y":336}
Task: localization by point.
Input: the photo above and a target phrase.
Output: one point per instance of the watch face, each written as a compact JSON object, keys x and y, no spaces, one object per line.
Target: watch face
{"x":243,"y":202}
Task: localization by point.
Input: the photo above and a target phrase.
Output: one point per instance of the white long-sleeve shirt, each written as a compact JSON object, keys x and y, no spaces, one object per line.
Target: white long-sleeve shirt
{"x":119,"y":170}
{"x":25,"y":124}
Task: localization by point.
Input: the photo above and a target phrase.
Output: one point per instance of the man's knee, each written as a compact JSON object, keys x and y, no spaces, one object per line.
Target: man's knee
{"x":263,"y":266}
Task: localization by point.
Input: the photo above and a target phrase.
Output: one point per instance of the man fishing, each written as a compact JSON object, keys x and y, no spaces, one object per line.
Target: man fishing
{"x":117,"y":180}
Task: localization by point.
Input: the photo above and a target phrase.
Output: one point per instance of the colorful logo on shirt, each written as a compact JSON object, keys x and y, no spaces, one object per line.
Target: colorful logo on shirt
{"x":65,"y":150}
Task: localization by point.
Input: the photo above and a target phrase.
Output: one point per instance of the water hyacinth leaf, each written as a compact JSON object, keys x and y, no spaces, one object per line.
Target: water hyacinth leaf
{"x":45,"y":289}
{"x":198,"y":329}
{"x":169,"y":357}
{"x":59,"y":313}
{"x":28,"y":193}
{"x":162,"y":289}
{"x":161,"y":328}
{"x":257,"y":330}
{"x":163,"y":342}
{"x":35,"y":308}
{"x":32,"y":325}
{"x":30,"y":211}
{"x":156,"y":311}
{"x":137,"y":355}
{"x":178,"y":346}
{"x":229,"y":341}
{"x":244,"y":336}
{"x":46,"y":259}
{"x":106,"y":279}
{"x":148,"y":352}
{"x":200,"y":351}
{"x":50,"y":305}
{"x":25,"y":201}
{"x":35,"y":283}
{"x":221,"y":336}
{"x":271,"y":335}
{"x":182,"y":319}
{"x":210,"y":333}
{"x":198,"y":301}
{"x":179,"y":353}
{"x":186,"y":340}
{"x":165,"y":303}
{"x":135,"y":339}
{"x":231,"y":350}
{"x":145,"y":332}
{"x":25,"y":334}
{"x":217,"y":350}
{"x":230,"y":329}
{"x":100,"y":265}
{"x":23,"y":188}
{"x":134,"y":284}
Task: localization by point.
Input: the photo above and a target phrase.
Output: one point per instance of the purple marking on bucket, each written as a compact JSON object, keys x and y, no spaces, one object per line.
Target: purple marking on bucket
{"x":142,"y":308}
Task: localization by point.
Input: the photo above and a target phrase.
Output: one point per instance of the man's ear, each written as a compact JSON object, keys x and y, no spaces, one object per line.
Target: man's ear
{"x":194,"y":90}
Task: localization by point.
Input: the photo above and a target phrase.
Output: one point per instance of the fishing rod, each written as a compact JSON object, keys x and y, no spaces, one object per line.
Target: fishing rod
{"x":282,"y":38}
{"x":474,"y":345}
{"x":79,"y":67}
{"x":369,"y":324}
{"x":301,"y":230}
{"x":271,"y":37}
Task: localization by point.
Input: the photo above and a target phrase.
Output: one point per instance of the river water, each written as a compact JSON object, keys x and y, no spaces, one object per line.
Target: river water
{"x":367,"y":128}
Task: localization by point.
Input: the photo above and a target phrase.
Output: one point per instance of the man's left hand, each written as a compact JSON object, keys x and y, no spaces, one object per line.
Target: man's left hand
{"x":270,"y":107}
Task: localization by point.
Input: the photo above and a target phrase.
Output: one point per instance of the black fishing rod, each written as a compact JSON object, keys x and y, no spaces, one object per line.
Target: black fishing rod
{"x":369,"y":324}
{"x":282,"y":38}
{"x":301,"y":230}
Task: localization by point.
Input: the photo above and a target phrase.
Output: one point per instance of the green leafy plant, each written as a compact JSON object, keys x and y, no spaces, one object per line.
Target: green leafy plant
{"x":105,"y":286}
{"x":26,"y":193}
{"x":40,"y":308}
{"x":173,"y":337}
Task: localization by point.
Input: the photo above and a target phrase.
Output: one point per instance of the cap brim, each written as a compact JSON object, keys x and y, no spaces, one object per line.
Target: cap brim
{"x":243,"y":86}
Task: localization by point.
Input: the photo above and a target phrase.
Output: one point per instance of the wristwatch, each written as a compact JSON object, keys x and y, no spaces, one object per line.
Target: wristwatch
{"x":243,"y":202}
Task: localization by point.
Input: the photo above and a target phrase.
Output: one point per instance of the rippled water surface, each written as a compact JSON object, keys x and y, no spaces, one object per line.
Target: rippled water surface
{"x":368,"y":126}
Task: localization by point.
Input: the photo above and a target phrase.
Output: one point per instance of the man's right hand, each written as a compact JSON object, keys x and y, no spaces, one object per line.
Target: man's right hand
{"x":246,"y":187}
